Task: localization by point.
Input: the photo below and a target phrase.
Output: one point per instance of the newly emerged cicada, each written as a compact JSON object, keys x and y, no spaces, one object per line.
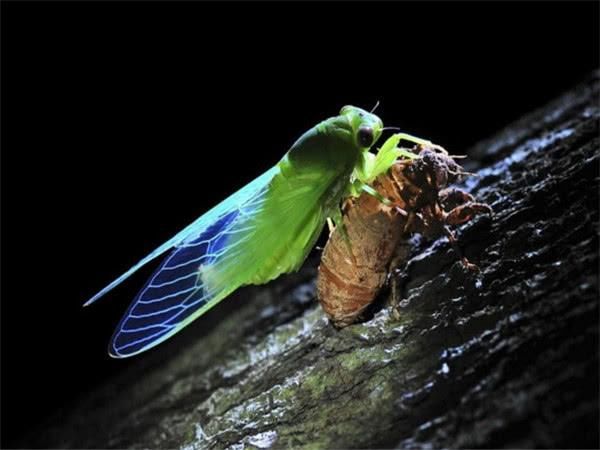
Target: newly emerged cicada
{"x":357,"y":257}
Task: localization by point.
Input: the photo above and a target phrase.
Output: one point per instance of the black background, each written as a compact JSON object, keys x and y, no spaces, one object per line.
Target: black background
{"x":121,"y":123}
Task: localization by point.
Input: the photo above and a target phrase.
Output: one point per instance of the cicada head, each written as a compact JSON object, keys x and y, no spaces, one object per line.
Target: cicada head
{"x":434,"y":170}
{"x":366,"y":126}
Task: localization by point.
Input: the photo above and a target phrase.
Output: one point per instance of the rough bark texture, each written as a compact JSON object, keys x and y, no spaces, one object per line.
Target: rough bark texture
{"x":506,"y":358}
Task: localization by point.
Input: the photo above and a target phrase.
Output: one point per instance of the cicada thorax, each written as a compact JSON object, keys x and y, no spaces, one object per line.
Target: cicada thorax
{"x":354,"y":266}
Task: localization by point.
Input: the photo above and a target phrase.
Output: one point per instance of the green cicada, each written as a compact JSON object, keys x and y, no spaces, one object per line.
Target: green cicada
{"x":265,"y":229}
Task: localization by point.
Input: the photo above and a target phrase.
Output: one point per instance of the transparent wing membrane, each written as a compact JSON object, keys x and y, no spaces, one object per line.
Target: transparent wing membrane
{"x":173,"y":293}
{"x":180,"y":289}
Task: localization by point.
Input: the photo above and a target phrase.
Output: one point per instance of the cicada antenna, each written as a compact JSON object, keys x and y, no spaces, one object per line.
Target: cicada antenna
{"x":375,"y":107}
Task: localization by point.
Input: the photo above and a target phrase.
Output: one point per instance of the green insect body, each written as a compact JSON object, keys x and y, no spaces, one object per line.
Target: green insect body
{"x":314,"y":177}
{"x":264,"y":230}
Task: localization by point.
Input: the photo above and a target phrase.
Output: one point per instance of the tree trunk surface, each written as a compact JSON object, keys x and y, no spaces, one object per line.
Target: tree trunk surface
{"x":504,"y":358}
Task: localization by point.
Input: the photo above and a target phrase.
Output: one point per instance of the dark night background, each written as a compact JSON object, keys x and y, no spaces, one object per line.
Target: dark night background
{"x":121,"y":123}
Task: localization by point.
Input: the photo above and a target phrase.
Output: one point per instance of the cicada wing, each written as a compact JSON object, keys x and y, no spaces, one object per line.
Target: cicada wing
{"x":265,"y":235}
{"x":200,"y":225}
{"x":180,"y":289}
{"x":175,"y":292}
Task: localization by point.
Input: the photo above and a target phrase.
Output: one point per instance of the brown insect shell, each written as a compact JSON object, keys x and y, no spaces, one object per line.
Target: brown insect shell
{"x":353,"y":271}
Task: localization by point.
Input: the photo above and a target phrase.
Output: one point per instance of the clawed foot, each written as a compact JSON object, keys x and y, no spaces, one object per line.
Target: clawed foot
{"x":470,"y":266}
{"x":395,"y":312}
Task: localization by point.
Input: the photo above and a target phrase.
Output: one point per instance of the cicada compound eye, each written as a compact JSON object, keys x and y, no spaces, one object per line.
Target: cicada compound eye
{"x":365,"y":136}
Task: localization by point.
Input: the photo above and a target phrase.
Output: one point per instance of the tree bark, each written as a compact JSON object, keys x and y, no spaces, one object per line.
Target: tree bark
{"x":504,"y":358}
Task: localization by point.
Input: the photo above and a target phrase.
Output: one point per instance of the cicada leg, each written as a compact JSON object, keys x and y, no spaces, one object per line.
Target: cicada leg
{"x":455,"y":208}
{"x":465,"y":213}
{"x":454,"y":243}
{"x":400,"y":257}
